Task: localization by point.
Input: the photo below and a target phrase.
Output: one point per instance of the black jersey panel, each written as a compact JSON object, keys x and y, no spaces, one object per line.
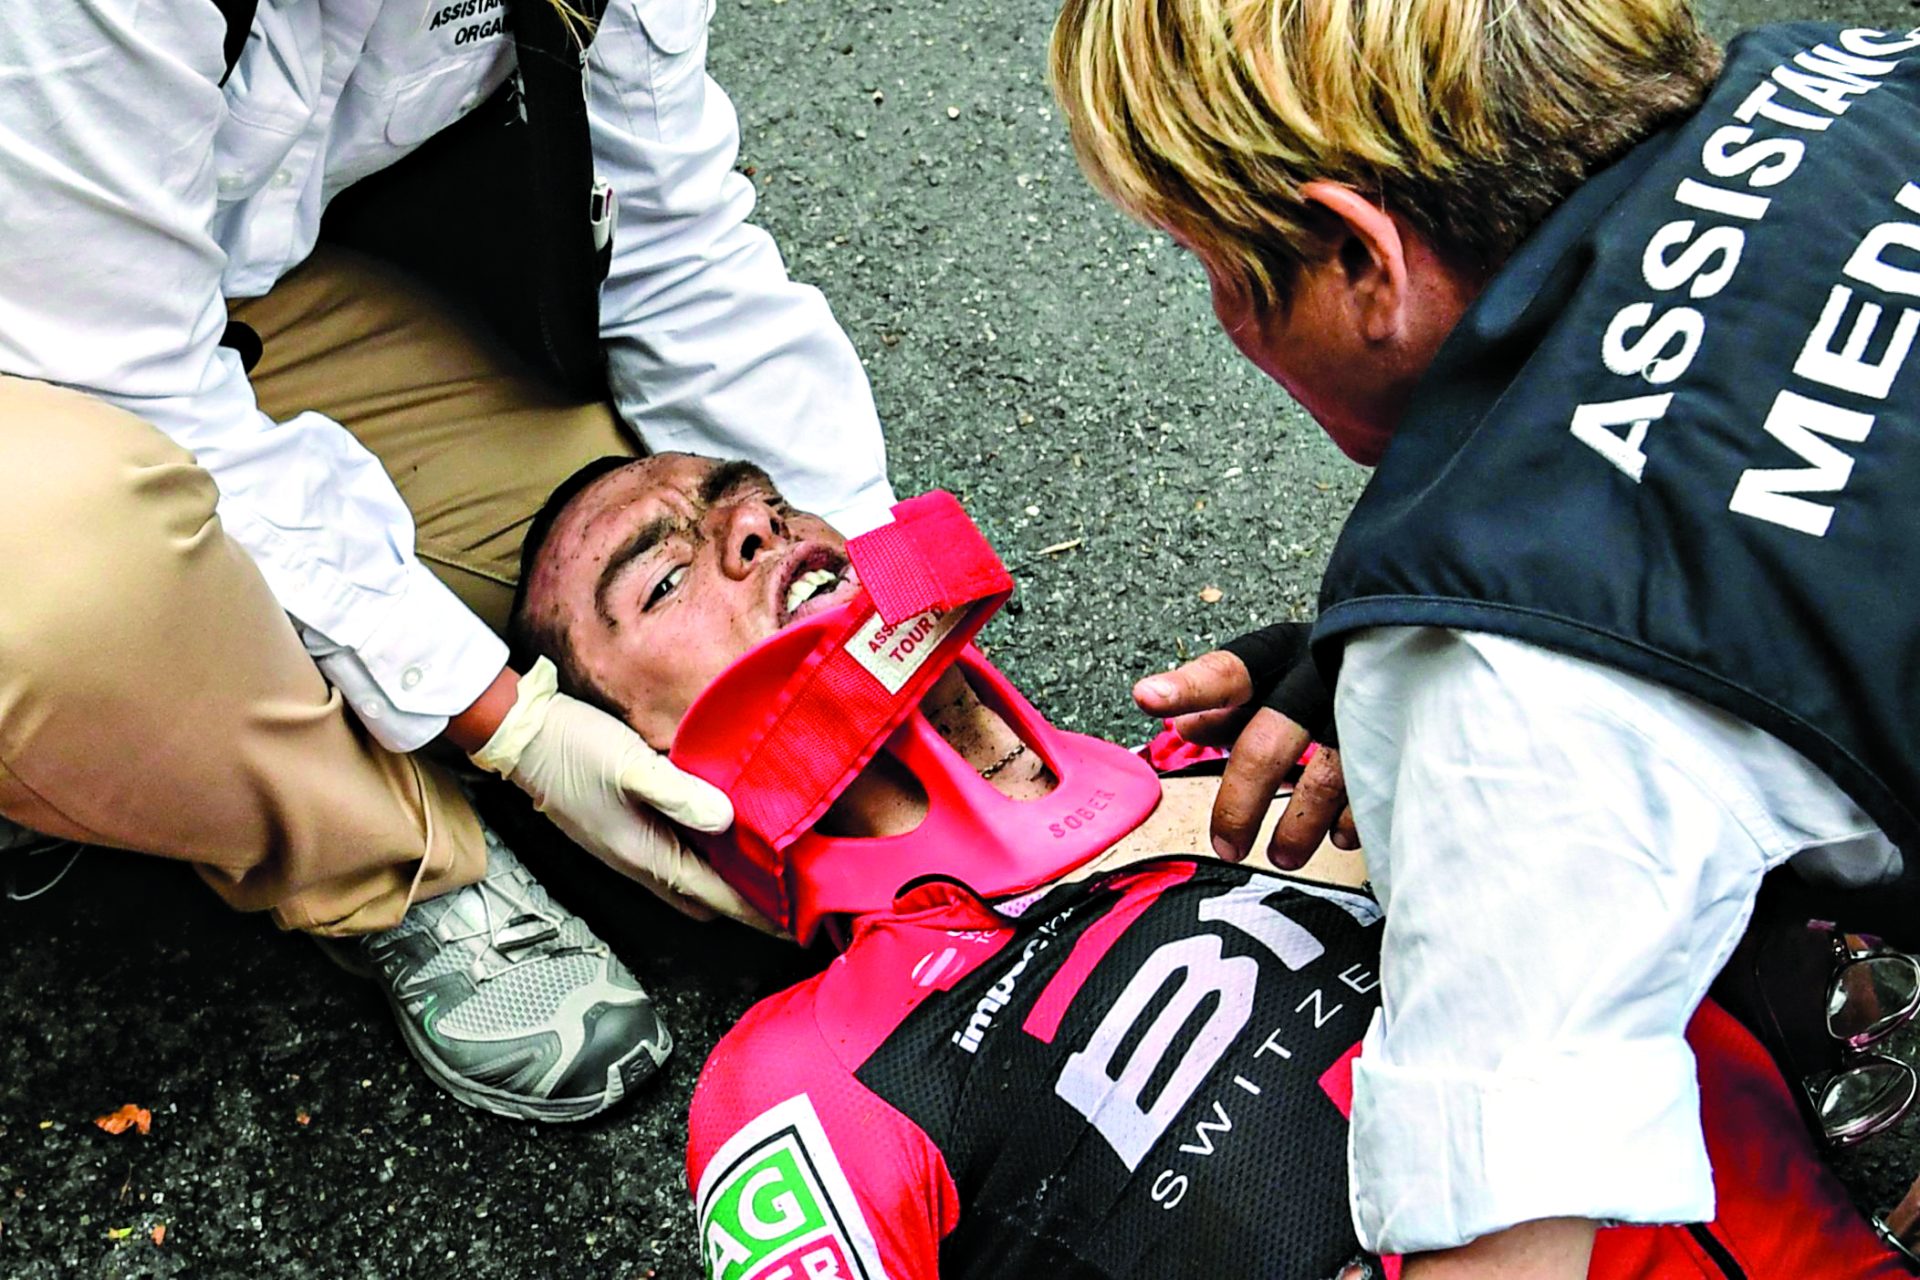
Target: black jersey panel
{"x":1133,"y":1088}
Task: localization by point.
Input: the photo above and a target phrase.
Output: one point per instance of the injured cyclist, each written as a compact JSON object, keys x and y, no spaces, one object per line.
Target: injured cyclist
{"x":1054,"y":1037}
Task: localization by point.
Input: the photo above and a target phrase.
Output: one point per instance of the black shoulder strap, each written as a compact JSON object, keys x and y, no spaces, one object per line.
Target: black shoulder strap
{"x":522,"y":256}
{"x":239,"y":16}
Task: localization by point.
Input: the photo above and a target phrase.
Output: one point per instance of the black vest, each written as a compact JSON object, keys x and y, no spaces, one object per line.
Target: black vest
{"x":519,"y":248}
{"x":1674,"y":437}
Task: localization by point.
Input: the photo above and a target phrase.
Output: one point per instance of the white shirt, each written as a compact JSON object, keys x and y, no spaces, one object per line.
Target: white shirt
{"x":1567,"y":854}
{"x":137,"y":196}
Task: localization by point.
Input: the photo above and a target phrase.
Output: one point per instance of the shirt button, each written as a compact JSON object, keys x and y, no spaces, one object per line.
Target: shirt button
{"x":230,"y":182}
{"x":284,"y":178}
{"x":469,"y":102}
{"x":410,"y":677}
{"x":370,"y":711}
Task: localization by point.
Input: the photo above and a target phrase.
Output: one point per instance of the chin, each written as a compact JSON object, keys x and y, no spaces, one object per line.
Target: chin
{"x":1366,"y":452}
{"x":1364,"y":442}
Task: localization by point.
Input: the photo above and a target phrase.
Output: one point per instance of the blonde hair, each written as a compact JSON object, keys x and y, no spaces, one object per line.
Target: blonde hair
{"x":1472,"y":118}
{"x":578,"y":25}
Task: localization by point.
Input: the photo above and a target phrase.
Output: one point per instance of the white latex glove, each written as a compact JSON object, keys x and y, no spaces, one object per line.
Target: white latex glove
{"x":606,"y":788}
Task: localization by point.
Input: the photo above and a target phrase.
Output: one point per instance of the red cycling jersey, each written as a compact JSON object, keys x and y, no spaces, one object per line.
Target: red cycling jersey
{"x":1143,"y":1075}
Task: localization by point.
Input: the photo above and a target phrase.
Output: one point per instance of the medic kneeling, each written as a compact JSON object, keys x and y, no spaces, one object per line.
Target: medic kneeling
{"x":1054,"y":1042}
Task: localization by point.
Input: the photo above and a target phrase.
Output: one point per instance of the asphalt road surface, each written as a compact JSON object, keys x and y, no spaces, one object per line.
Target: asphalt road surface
{"x":1053,"y":364}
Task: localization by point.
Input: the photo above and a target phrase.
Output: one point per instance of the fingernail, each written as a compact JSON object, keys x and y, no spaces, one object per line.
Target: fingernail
{"x":1224,"y":851}
{"x":1155,"y":688}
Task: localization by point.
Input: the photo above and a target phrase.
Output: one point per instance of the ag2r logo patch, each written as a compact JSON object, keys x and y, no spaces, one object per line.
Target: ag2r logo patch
{"x":775,"y":1205}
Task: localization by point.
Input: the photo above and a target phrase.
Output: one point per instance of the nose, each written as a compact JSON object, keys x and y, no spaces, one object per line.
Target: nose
{"x":750,"y":528}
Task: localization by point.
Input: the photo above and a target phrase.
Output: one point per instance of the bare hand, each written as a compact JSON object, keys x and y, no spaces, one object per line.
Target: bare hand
{"x":1211,"y":703}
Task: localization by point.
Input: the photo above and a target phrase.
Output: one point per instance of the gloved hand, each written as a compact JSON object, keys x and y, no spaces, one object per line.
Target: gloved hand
{"x":1280,"y":665}
{"x":607,"y":789}
{"x":1262,"y":695}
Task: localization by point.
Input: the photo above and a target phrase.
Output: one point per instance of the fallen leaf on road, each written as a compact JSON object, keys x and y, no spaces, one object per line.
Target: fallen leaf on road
{"x":119,"y":1233}
{"x":1058,"y":547}
{"x":1212,"y":595}
{"x":127,"y":1117}
{"x":159,"y":1233}
{"x":303,"y":1119}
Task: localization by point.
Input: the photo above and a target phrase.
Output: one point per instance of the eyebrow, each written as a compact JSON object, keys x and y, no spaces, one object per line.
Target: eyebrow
{"x":723,"y":480}
{"x":645,"y":539}
{"x":729,"y":476}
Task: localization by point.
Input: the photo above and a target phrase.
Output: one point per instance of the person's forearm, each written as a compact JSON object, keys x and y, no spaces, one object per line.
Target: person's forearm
{"x":1551,"y":1249}
{"x":711,"y":346}
{"x":471,"y":729}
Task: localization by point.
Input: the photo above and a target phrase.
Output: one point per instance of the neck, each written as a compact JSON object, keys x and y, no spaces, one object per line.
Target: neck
{"x":885,"y":800}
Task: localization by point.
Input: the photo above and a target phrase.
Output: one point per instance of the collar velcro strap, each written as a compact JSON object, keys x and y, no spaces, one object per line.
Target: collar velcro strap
{"x":789,"y":725}
{"x":931,"y":557}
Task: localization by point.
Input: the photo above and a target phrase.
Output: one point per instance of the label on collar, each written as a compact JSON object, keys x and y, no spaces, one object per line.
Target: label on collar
{"x":891,"y":654}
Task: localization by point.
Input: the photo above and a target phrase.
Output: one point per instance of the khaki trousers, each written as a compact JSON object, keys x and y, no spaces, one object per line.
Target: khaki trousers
{"x":152,"y":694}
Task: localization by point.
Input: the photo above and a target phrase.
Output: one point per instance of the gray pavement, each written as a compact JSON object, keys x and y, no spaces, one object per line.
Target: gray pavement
{"x":1051,"y":363}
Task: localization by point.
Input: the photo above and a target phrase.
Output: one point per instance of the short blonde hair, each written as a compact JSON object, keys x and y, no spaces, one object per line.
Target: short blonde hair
{"x":578,"y":25}
{"x":1472,"y":118}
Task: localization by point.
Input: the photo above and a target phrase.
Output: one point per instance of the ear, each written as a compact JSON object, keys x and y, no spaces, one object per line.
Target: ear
{"x":1370,"y":256}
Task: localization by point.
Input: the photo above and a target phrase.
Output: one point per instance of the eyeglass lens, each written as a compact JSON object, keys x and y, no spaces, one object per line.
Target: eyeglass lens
{"x":1866,"y":1098}
{"x":1871,"y":996}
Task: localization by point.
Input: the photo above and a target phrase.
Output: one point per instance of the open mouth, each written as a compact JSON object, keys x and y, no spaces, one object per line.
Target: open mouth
{"x":817,"y":579}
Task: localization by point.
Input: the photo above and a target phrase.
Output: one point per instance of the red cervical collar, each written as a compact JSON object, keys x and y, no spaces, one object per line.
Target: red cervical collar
{"x":785,"y":729}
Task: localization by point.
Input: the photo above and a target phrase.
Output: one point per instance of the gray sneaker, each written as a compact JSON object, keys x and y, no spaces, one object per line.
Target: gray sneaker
{"x":509,"y":1001}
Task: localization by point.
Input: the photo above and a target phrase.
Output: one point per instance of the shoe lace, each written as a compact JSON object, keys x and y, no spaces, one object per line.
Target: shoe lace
{"x":40,"y":853}
{"x":518,"y":922}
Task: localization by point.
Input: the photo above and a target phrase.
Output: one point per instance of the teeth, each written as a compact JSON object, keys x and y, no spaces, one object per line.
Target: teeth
{"x":808,"y":585}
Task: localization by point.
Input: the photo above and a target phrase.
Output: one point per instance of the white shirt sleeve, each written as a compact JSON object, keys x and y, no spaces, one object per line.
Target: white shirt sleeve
{"x":711,"y":347}
{"x":1566,"y":855}
{"x":110,"y":283}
